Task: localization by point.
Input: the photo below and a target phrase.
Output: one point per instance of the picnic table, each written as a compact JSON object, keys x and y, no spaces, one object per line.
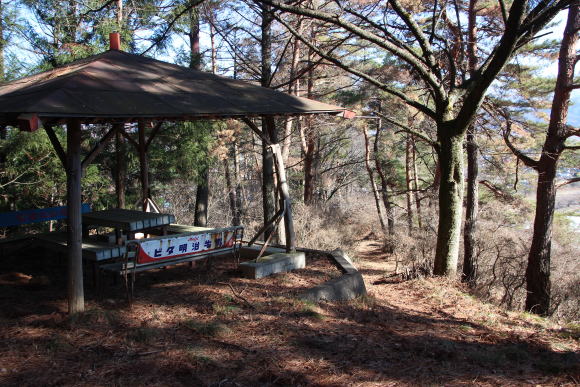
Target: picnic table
{"x":129,"y":221}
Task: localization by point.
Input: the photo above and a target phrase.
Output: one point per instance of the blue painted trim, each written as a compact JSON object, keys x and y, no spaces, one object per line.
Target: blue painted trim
{"x":16,"y":218}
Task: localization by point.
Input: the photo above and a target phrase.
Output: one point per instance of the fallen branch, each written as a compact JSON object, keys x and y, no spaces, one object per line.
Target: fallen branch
{"x":238,"y":295}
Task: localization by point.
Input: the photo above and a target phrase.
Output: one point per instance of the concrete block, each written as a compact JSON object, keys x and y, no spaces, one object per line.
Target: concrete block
{"x":343,"y":288}
{"x":251,"y":252}
{"x":274,"y":263}
{"x":343,"y":261}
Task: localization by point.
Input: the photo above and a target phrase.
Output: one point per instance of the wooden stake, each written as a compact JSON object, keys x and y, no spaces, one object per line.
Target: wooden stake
{"x":285,"y":193}
{"x":76,"y":298}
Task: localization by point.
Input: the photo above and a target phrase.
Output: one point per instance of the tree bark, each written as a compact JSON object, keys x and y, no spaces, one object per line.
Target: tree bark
{"x":538,"y":269}
{"x":293,"y":88}
{"x":268,"y":184}
{"x":268,"y":123}
{"x":384,"y":185}
{"x":238,"y":186}
{"x":472,"y":198}
{"x":76,"y":297}
{"x":310,"y":141}
{"x":119,"y":14}
{"x":231,"y":194}
{"x":202,"y":192}
{"x":2,"y":42}
{"x":450,"y":198}
{"x":472,"y":205}
{"x":416,"y":183}
{"x":309,"y":163}
{"x":121,"y":167}
{"x":144,"y":164}
{"x":372,"y":181}
{"x":408,"y":183}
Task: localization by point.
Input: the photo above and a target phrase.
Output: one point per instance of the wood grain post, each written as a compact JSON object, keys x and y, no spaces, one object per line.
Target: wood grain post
{"x":76,"y":297}
{"x":285,"y":193}
{"x":144,"y":165}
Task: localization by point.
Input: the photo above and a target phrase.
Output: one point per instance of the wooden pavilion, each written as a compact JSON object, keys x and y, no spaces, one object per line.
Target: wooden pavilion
{"x":115,"y":88}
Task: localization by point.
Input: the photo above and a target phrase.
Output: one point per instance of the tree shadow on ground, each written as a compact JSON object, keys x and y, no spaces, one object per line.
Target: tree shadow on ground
{"x":214,"y":338}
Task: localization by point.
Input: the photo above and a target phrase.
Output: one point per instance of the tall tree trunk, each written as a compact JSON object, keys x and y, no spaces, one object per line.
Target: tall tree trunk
{"x":538,"y":270}
{"x":202,"y":192}
{"x":121,"y":167}
{"x":384,"y":185}
{"x":120,"y":146}
{"x":194,"y":52}
{"x":472,"y":198}
{"x":237,"y":186}
{"x":450,"y":198}
{"x":2,"y":42}
{"x":416,"y":183}
{"x":408,"y":182}
{"x":268,"y":184}
{"x":472,"y":204}
{"x":144,"y":163}
{"x":213,"y":49}
{"x":120,"y":14}
{"x":268,"y":123}
{"x":372,"y":181}
{"x":231,"y":192}
{"x":309,"y":163}
{"x":310,"y":141}
{"x":293,"y":88}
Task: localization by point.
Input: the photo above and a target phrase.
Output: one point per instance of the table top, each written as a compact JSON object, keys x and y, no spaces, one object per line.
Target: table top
{"x":128,"y":220}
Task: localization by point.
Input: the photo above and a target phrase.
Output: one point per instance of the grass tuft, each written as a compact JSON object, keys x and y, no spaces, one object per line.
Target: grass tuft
{"x":211,"y":328}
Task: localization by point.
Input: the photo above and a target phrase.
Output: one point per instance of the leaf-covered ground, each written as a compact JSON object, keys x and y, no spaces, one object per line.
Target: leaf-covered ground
{"x":188,"y":327}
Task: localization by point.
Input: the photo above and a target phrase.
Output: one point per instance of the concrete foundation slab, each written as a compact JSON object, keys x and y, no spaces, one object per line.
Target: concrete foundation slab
{"x":251,"y":252}
{"x":343,"y":288}
{"x":274,"y":263}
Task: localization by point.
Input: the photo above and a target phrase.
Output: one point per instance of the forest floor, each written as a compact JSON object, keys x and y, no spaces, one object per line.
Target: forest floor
{"x":187,"y":327}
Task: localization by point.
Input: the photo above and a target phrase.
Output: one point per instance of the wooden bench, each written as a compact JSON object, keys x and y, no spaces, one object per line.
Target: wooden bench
{"x":93,"y":250}
{"x":151,"y":253}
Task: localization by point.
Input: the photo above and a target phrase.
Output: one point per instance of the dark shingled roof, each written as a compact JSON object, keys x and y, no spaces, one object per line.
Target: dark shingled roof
{"x":116,"y":85}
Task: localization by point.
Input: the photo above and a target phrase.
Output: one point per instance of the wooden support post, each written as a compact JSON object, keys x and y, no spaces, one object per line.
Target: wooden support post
{"x":144,"y":164}
{"x":285,"y":194}
{"x":76,"y":298}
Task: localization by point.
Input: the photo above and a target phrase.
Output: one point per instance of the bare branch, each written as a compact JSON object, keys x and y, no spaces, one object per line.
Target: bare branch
{"x":566,"y":182}
{"x":102,"y":7}
{"x":418,"y":33}
{"x":573,"y":147}
{"x":406,"y":129}
{"x":424,"y":109}
{"x":503,"y":11}
{"x":424,"y":71}
{"x":169,"y":27}
{"x":528,"y":161}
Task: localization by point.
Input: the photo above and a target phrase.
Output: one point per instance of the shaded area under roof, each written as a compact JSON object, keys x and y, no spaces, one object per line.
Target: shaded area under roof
{"x":116,"y":85}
